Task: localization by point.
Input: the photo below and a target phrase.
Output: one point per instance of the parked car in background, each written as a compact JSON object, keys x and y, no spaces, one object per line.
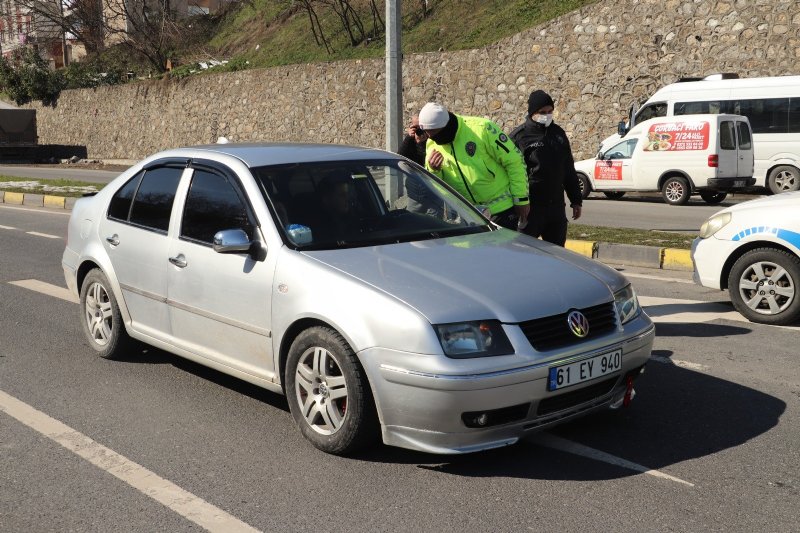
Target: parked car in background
{"x":752,"y":249}
{"x":302,"y":269}
{"x":771,"y":104}
{"x":709,"y":155}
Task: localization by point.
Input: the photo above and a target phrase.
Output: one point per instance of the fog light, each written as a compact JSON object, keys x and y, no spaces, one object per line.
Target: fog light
{"x":482,"y":420}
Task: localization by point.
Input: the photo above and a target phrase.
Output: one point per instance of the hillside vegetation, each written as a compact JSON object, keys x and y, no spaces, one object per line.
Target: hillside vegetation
{"x":263,"y":33}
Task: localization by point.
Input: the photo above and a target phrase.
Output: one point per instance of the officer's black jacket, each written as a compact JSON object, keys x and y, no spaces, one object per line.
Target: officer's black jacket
{"x":551,"y":169}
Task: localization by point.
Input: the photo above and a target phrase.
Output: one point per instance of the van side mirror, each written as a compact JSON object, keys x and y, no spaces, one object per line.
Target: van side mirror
{"x":622,"y":128}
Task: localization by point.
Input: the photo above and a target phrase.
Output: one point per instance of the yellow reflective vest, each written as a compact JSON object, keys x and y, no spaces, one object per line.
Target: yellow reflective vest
{"x":483,"y":165}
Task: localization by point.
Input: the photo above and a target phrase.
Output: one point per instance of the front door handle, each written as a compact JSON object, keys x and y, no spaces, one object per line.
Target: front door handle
{"x":178,"y":261}
{"x":113,"y":240}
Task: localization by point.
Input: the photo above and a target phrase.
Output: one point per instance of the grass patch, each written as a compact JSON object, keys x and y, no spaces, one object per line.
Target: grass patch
{"x":267,"y":33}
{"x":55,"y":187}
{"x":662,"y":239}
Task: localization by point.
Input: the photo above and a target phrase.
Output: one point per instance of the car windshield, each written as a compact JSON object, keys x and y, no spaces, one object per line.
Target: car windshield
{"x":341,"y":204}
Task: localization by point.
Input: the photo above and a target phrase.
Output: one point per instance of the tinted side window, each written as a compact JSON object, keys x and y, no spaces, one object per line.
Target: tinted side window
{"x":745,"y":142}
{"x":120,"y":205}
{"x":213,"y":205}
{"x":769,"y":115}
{"x":727,"y":138}
{"x":153,"y":202}
{"x":794,"y":115}
{"x":694,"y":108}
{"x":651,"y":111}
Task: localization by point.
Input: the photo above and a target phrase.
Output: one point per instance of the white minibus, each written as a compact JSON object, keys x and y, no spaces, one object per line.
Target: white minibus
{"x":772,"y":106}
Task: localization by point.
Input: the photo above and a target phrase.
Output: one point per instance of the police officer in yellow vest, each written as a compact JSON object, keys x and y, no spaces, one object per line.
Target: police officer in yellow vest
{"x":477,"y":159}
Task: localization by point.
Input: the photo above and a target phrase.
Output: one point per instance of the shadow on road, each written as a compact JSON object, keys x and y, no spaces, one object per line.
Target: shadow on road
{"x":678,"y":415}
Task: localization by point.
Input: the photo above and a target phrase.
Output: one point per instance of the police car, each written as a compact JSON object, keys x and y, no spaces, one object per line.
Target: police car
{"x":753,"y":250}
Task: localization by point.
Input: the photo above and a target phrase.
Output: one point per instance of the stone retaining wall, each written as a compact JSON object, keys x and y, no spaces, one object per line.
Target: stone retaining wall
{"x":595,"y":62}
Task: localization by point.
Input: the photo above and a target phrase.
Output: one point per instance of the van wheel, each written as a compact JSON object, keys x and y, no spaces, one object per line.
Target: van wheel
{"x":585,"y":186}
{"x":783,"y":179}
{"x":676,"y":190}
{"x":763,"y":286}
{"x":614,"y":195}
{"x":328,"y":394}
{"x":712,"y":197}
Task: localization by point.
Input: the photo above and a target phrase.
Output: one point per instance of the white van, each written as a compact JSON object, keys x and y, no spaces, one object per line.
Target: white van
{"x":708,"y":155}
{"x":771,"y":104}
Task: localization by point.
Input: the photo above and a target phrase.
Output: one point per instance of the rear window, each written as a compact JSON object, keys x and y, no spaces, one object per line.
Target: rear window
{"x":727,"y":137}
{"x":745,"y":141}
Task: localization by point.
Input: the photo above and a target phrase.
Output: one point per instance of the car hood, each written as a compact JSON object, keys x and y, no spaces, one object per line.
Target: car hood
{"x":499,"y":274}
{"x":586,"y":166}
{"x":784,"y":199}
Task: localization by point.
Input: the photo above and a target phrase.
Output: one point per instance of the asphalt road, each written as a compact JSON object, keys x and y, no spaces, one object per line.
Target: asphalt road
{"x":715,"y":426}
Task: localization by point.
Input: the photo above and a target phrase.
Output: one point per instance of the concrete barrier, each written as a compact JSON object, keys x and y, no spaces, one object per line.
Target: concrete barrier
{"x":629,"y":254}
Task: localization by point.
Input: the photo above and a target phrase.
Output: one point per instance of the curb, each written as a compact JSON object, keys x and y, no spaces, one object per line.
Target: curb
{"x":606,"y":252}
{"x":634,"y":254}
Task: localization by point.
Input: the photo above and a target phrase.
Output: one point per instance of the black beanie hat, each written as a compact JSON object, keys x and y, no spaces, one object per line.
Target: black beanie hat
{"x":537,"y":100}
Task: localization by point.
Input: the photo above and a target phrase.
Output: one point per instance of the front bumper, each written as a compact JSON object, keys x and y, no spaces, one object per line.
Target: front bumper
{"x":423,"y":410}
{"x":708,"y":259}
{"x":730,"y":184}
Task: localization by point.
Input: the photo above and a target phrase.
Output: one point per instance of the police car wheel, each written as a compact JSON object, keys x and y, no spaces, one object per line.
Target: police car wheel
{"x":764,"y":284}
{"x":676,"y":190}
{"x":713,"y":198}
{"x":328,"y":393}
{"x":783,"y":179}
{"x":585,"y":186}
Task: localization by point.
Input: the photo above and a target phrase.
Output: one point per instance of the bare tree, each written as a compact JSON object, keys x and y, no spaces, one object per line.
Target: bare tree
{"x":351,"y":21}
{"x":316,"y":27}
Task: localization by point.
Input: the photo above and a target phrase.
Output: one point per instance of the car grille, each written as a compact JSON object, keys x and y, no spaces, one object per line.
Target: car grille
{"x":553,"y":331}
{"x":571,"y":399}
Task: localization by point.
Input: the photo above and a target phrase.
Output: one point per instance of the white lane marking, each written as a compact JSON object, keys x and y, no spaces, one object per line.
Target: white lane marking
{"x":186,"y":504}
{"x":657,"y":278}
{"x":562,"y":444}
{"x":46,"y":235}
{"x":45,"y":288}
{"x":678,"y":362}
{"x":66,"y":212}
{"x":670,"y":311}
{"x":7,"y":227}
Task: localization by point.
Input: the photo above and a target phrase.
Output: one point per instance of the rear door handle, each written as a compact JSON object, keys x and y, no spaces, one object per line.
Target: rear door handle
{"x":178,"y":261}
{"x":113,"y":240}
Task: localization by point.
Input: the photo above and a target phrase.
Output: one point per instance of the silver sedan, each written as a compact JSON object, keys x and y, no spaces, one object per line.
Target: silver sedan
{"x":375,"y":298}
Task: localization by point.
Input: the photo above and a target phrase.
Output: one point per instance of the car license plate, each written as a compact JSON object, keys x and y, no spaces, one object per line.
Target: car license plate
{"x":738,"y":183}
{"x":585,"y":370}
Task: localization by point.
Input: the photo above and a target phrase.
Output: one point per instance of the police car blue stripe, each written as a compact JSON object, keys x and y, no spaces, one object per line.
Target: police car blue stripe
{"x":791,"y":237}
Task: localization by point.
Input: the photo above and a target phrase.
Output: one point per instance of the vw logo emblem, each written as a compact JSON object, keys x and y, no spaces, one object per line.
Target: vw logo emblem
{"x":578,"y":324}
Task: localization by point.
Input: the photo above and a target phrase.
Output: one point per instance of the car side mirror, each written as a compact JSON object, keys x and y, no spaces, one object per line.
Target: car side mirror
{"x":235,"y":241}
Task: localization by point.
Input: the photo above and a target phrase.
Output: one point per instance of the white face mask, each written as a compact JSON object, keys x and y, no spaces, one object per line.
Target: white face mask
{"x":544,"y":120}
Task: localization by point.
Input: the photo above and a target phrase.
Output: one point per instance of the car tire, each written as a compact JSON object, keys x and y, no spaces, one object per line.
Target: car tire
{"x":101,"y":318}
{"x":614,"y":195}
{"x":713,"y":197}
{"x":328,"y":393}
{"x":584,"y":185}
{"x":783,"y":179}
{"x":676,"y":191}
{"x":766,"y":270}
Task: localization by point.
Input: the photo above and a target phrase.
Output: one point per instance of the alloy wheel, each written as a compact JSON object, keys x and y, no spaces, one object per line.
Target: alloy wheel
{"x":674,"y":191}
{"x":785,"y":180}
{"x":766,"y":288}
{"x":321,"y":390}
{"x":99,"y":314}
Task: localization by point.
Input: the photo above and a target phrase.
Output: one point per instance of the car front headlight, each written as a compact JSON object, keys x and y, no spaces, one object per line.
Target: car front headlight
{"x":714,"y":224}
{"x":473,"y":339}
{"x":627,"y":304}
